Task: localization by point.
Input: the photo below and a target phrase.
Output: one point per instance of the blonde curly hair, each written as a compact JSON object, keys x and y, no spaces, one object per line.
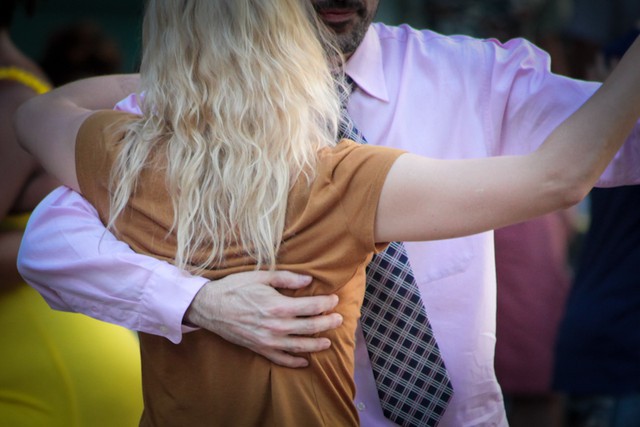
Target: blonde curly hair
{"x":241,"y":96}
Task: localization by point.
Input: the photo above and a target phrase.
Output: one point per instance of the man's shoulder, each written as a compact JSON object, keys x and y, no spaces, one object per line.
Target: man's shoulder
{"x":430,"y":50}
{"x":405,"y":34}
{"x":400,"y":37}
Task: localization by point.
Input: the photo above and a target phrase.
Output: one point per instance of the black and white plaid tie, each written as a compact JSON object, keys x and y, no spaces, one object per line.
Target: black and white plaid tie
{"x":412,"y":381}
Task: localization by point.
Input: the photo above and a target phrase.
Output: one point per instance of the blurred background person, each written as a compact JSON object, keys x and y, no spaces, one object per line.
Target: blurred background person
{"x":593,"y":25}
{"x":598,"y":347}
{"x":56,"y":369}
{"x":533,"y":274}
{"x":78,"y":50}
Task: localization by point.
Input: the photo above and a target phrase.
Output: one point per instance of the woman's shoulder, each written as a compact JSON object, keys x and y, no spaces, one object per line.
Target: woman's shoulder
{"x":109,"y":125}
{"x":107,"y":117}
{"x":352,"y":167}
{"x":100,"y":132}
{"x":351,"y":156}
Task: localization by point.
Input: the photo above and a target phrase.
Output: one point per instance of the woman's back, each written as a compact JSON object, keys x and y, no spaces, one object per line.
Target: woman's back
{"x":328,"y":234}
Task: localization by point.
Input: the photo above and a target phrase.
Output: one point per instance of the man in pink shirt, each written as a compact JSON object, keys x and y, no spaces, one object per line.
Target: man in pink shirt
{"x":444,"y":97}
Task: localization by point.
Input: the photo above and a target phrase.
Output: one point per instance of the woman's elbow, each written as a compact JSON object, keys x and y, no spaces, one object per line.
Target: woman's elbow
{"x":571,"y":190}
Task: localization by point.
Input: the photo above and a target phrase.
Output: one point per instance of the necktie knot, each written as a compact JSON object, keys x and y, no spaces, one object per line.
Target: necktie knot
{"x":347,"y":127}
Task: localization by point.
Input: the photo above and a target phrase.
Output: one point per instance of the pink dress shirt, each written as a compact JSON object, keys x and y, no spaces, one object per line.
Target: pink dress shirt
{"x":444,"y":97}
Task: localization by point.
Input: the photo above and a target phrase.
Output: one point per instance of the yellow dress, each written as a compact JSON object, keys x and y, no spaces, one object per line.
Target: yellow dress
{"x":62,"y":369}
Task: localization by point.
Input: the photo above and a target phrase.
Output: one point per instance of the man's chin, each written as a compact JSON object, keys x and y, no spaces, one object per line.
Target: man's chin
{"x":340,"y":27}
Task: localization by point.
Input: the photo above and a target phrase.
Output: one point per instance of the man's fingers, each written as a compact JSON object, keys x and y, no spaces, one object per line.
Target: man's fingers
{"x":307,"y":326}
{"x":305,"y":344}
{"x":275,"y":279}
{"x":304,"y":306}
{"x":285,"y":279}
{"x":285,"y":359}
{"x":290,"y":345}
{"x":247,"y":310}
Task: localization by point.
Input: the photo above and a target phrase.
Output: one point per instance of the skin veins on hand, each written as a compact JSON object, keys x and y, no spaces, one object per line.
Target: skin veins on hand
{"x":247,"y":309}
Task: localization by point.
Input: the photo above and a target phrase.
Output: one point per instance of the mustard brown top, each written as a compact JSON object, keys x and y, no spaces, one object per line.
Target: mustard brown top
{"x":206,"y":380}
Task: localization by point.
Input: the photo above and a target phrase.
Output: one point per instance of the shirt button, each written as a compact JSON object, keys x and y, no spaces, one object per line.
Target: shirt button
{"x":163,"y":329}
{"x":361,"y":406}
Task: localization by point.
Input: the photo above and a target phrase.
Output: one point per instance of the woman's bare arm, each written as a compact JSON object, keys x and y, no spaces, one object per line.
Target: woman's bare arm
{"x":450,"y":198}
{"x":47,"y":125}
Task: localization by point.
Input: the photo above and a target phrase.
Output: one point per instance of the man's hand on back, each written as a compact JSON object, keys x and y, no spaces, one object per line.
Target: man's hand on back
{"x":247,"y":310}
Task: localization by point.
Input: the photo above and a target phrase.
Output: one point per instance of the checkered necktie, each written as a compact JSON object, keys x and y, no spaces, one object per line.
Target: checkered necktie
{"x":412,"y":381}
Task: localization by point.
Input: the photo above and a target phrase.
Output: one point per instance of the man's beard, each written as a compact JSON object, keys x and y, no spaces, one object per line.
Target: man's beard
{"x":348,"y":42}
{"x":348,"y":39}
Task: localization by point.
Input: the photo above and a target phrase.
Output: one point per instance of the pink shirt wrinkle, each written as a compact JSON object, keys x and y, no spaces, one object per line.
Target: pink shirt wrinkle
{"x":444,"y":97}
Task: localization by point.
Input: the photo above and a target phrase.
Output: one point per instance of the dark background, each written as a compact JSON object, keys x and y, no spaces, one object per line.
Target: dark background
{"x":120,"y":19}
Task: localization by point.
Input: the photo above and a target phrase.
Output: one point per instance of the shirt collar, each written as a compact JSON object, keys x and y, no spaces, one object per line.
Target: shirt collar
{"x":366,"y":69}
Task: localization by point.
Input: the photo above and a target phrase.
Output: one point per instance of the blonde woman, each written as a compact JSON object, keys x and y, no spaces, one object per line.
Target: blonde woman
{"x":234,"y":166}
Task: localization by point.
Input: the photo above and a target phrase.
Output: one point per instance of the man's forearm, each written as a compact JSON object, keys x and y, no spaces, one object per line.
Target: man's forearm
{"x":77,"y":265}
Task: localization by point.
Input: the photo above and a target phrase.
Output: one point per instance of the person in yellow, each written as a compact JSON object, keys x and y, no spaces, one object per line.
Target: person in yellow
{"x":56,"y":369}
{"x":235,"y":165}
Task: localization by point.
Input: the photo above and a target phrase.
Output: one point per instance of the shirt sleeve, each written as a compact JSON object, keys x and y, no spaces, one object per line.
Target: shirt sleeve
{"x":130,"y":104}
{"x":78,"y":265}
{"x":359,"y":177}
{"x":526,"y":102}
